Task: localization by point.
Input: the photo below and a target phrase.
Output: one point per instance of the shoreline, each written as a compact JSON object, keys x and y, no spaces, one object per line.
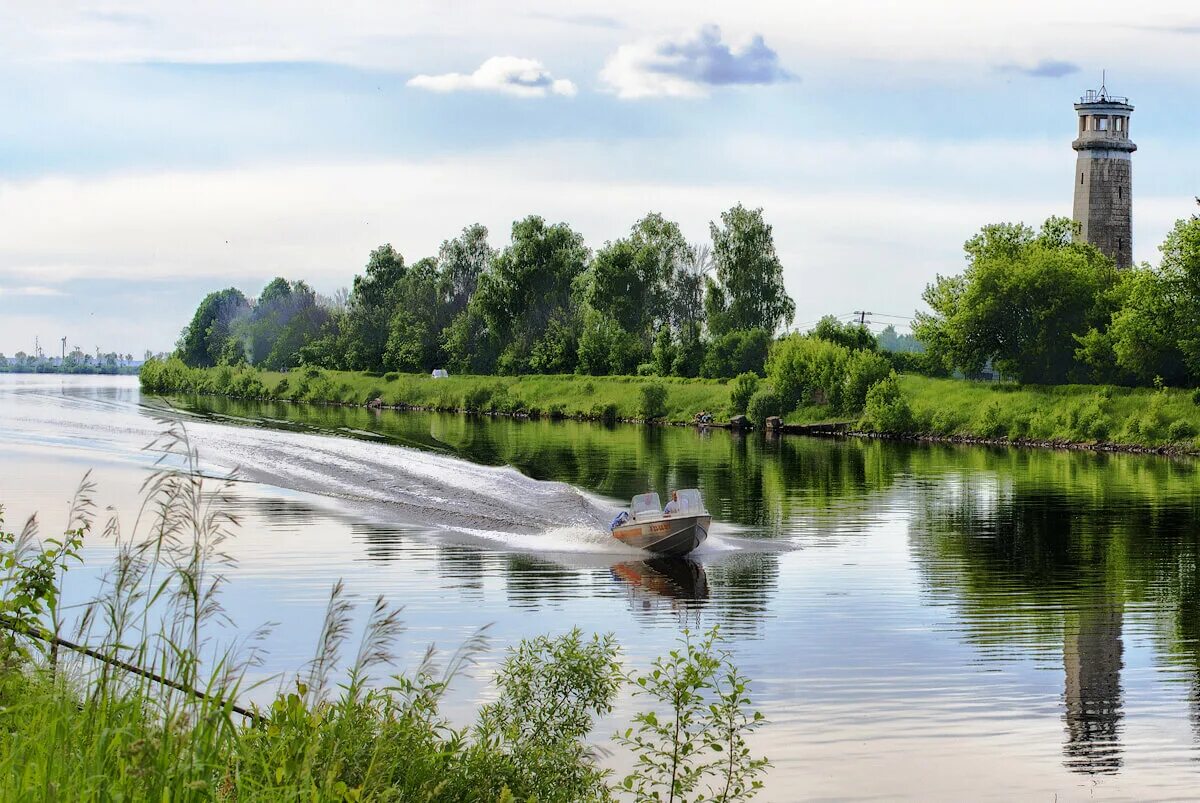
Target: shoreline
{"x":815,"y":430}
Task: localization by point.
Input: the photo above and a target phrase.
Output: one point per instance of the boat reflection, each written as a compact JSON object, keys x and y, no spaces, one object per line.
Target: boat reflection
{"x":656,"y":583}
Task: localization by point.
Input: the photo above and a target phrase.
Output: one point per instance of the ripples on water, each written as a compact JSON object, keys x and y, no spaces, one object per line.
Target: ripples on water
{"x":920,"y":622}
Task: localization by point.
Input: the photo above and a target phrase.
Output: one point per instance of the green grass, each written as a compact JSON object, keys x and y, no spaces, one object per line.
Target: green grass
{"x":567,"y":395}
{"x":1075,"y":414}
{"x":951,"y":408}
{"x":1060,"y":413}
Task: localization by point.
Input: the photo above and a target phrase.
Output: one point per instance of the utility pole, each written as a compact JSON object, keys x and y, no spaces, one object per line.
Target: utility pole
{"x":862,"y":316}
{"x":64,"y":348}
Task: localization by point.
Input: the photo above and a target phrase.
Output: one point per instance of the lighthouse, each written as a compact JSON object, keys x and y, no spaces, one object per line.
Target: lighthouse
{"x":1104,"y":174}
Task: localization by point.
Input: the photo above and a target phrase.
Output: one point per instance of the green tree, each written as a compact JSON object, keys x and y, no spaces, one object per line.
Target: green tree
{"x":1155,"y":330}
{"x":1022,"y":303}
{"x":461,"y":262}
{"x":415,"y":329}
{"x":203,"y":340}
{"x":851,"y":335}
{"x":371,"y":308}
{"x":748,"y":292}
{"x":529,"y":283}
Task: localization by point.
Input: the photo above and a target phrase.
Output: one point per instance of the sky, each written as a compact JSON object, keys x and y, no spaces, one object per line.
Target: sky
{"x":153,"y":151}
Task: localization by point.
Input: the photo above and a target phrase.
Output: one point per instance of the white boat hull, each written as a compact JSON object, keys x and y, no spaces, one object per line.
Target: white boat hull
{"x":668,"y":535}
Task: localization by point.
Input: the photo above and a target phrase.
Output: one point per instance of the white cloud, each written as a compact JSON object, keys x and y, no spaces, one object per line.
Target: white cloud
{"x":689,"y":65}
{"x":30,"y":290}
{"x":525,"y":78}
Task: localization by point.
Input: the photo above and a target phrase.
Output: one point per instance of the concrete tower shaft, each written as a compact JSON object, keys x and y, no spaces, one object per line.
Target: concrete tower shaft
{"x":1104,"y":175}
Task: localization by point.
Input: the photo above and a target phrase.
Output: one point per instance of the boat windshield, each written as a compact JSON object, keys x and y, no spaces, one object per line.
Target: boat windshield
{"x":690,"y":501}
{"x":646,"y":504}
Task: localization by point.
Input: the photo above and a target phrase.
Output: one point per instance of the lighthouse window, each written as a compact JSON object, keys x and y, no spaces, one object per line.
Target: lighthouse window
{"x":1120,"y":124}
{"x":1102,"y":123}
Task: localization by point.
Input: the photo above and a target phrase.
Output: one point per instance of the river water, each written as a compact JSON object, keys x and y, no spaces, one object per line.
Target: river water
{"x":919,"y":622}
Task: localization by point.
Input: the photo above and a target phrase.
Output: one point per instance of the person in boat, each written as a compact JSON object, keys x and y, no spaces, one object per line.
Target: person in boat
{"x":673,"y":506}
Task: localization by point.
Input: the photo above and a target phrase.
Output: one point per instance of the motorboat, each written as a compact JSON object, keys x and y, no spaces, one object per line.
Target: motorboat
{"x":673,"y":531}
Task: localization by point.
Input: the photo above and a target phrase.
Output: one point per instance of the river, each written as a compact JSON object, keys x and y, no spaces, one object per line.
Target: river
{"x":922,"y":622}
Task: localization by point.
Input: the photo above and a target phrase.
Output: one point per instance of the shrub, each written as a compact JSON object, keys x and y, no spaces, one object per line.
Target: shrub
{"x":803,"y":369}
{"x":735,"y":353}
{"x":605,"y":412}
{"x":886,"y":409}
{"x":946,"y":421}
{"x":863,"y":369}
{"x":477,"y":398}
{"x":762,"y":405}
{"x":654,"y":401}
{"x":391,"y":376}
{"x":991,"y":423}
{"x":646,"y":369}
{"x":312,"y":373}
{"x":1180,"y":430}
{"x":557,"y":411}
{"x":741,"y":389}
{"x":281,"y":389}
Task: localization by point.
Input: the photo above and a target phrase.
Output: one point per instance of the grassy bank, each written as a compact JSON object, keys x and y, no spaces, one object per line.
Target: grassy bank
{"x":1085,"y":414}
{"x":942,"y":408}
{"x":567,"y":395}
{"x":149,"y":714}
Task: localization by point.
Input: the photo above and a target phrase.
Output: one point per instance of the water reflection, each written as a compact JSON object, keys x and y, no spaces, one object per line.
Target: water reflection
{"x":1070,"y":564}
{"x":1047,"y":558}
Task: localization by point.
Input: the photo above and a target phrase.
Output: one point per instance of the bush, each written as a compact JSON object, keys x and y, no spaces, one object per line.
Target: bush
{"x":764,"y":404}
{"x":281,"y":389}
{"x":735,"y":353}
{"x":477,"y":398}
{"x":741,"y":389}
{"x":654,"y":401}
{"x":804,"y":369}
{"x":886,"y":409}
{"x":991,"y":423}
{"x":1180,"y":430}
{"x":391,"y":376}
{"x":646,"y":369}
{"x":605,"y":412}
{"x":863,"y":370}
{"x":312,"y":373}
{"x":557,"y":411}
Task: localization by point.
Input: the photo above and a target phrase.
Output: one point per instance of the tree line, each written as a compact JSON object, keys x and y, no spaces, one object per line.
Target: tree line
{"x":648,"y":303}
{"x":1042,"y":308}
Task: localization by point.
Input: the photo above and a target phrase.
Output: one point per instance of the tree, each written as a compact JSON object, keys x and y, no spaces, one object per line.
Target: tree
{"x":529,"y":283}
{"x":1022,"y":303}
{"x":371,"y":308}
{"x":1155,"y":328}
{"x":461,"y":262}
{"x":850,"y":335}
{"x":203,"y":340}
{"x":748,"y":292}
{"x":416,"y":326}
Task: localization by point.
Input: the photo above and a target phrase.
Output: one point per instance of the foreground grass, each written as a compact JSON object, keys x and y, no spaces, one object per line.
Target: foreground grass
{"x":567,"y":395}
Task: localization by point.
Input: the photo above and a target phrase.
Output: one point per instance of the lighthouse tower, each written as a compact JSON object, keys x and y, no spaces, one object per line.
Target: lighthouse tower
{"x":1104,"y":174}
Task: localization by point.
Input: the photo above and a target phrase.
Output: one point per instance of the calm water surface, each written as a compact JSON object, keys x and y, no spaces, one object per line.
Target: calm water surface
{"x":920,"y":622}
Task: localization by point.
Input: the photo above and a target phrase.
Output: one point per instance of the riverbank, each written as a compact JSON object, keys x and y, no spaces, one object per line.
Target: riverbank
{"x":608,"y":398}
{"x":1103,"y":418}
